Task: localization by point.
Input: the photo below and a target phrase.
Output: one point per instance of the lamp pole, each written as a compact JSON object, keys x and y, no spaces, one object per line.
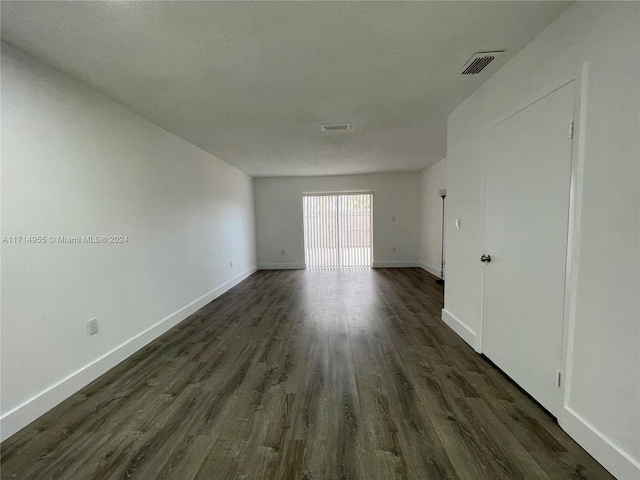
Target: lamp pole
{"x":440,"y":281}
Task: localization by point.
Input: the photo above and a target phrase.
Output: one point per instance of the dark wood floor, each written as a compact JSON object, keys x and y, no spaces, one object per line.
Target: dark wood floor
{"x":326,"y":374}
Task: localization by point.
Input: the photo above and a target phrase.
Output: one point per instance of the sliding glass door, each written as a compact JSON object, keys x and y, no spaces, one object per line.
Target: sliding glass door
{"x":338,"y":230}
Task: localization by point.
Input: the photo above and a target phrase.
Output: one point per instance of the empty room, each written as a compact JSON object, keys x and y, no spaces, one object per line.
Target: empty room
{"x":317,"y":240}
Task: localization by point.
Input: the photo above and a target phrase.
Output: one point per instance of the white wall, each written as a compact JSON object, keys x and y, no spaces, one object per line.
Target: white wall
{"x":76,"y":163}
{"x":280,"y":224}
{"x":434,"y":178}
{"x":602,"y":391}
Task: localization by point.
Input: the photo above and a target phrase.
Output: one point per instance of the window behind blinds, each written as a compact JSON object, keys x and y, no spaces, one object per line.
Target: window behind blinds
{"x":338,"y":230}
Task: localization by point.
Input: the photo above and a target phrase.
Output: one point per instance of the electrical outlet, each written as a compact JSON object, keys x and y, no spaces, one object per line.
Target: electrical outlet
{"x":92,"y":326}
{"x":394,"y":249}
{"x":230,"y":264}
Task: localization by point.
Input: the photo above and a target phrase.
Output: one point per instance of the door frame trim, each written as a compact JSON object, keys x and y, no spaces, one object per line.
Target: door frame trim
{"x":573,"y":233}
{"x":579,"y":78}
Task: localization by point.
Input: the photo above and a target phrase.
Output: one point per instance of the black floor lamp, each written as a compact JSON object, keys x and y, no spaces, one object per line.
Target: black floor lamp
{"x":443,"y":193}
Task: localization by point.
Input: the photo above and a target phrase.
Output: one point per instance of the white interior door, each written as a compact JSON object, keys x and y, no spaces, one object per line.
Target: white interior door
{"x":528,"y":188}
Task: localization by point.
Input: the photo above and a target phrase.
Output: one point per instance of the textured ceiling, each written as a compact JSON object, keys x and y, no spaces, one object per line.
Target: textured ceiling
{"x":250,"y":82}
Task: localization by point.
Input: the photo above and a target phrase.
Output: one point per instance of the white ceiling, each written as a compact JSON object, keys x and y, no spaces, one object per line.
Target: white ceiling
{"x":250,"y":82}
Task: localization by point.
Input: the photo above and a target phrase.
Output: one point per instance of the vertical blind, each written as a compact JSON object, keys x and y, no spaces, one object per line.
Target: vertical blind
{"x":338,"y":230}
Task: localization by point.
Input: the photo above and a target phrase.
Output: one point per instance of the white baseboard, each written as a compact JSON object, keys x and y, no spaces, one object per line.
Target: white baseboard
{"x":429,"y":268}
{"x":619,"y":463}
{"x":281,"y":266}
{"x":27,"y":412}
{"x":460,"y":328}
{"x":399,"y":264}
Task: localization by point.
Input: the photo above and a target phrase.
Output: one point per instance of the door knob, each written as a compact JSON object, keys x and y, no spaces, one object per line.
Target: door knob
{"x":485,"y":258}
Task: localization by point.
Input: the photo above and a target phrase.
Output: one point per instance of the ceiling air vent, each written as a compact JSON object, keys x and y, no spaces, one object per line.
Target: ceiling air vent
{"x":332,"y":127}
{"x":479,"y":61}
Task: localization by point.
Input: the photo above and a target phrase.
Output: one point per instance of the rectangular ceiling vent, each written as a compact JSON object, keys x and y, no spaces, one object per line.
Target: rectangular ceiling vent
{"x":332,"y":127}
{"x":479,"y":61}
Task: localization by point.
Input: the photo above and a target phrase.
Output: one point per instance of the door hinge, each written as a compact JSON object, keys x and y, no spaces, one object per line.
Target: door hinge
{"x":571,"y":129}
{"x":558,"y":377}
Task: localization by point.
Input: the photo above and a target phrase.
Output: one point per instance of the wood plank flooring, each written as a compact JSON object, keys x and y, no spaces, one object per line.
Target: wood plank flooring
{"x":322,"y":374}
